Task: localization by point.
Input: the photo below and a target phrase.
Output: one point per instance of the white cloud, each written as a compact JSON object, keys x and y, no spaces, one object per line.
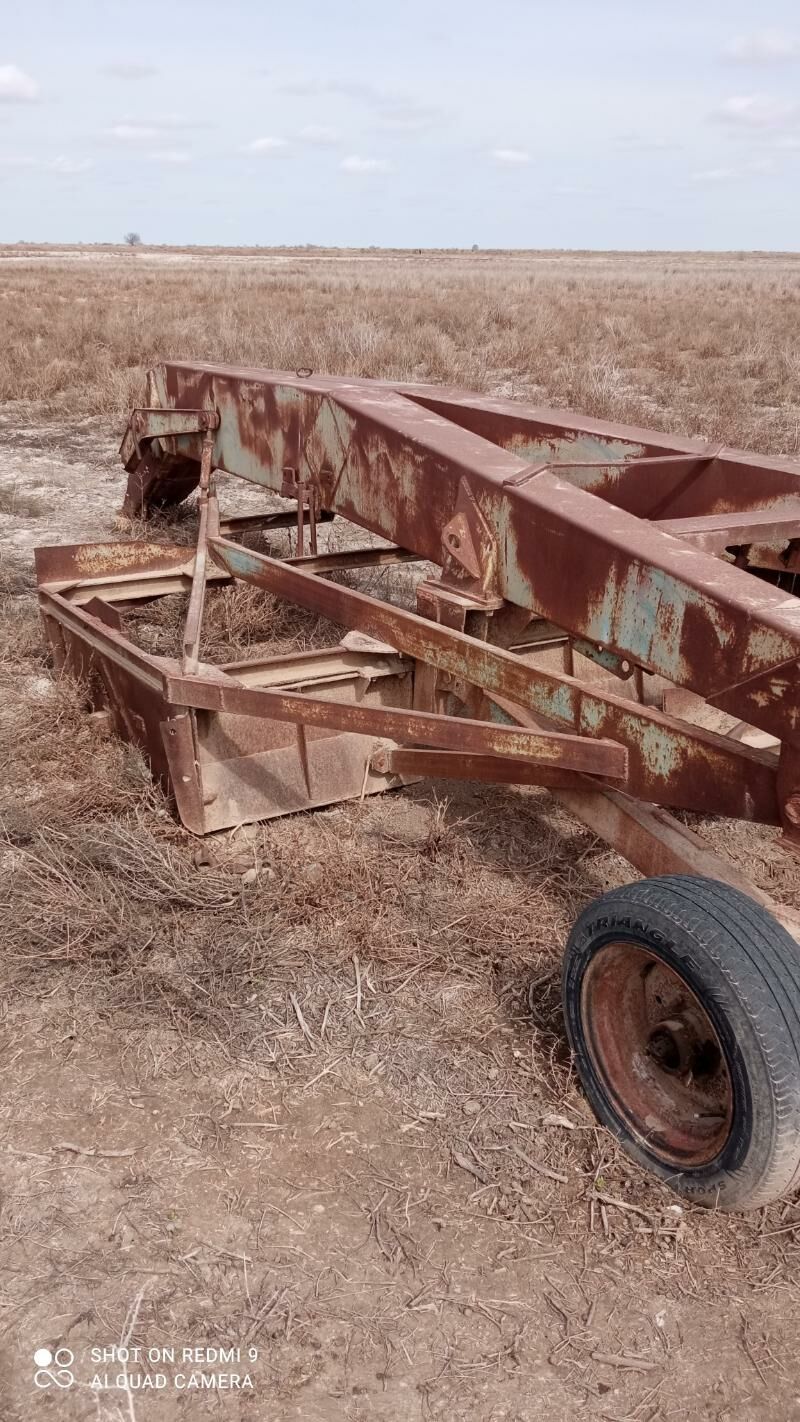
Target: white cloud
{"x":70,"y":166}
{"x":265,"y":145}
{"x":764,"y":47}
{"x":396,"y":111}
{"x":643,"y":143}
{"x":67,"y":167}
{"x":309,"y":88}
{"x":715,"y":175}
{"x":510,"y":157}
{"x":130,"y":71}
{"x":318,"y":133}
{"x":155,"y":127}
{"x":758,"y":167}
{"x":16,"y":87}
{"x":354,"y":163}
{"x":757,"y":111}
{"x":133,"y":132}
{"x":408,"y":116}
{"x":169,"y":155}
{"x":178,"y":121}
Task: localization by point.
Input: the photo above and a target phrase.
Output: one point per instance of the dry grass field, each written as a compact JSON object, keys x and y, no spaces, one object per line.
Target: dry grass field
{"x":303,"y":1089}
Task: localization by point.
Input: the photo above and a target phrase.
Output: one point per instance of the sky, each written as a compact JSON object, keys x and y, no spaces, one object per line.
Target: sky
{"x":422,"y":123}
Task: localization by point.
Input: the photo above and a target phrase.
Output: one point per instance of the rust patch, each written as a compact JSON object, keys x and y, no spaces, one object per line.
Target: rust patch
{"x":531,"y":514}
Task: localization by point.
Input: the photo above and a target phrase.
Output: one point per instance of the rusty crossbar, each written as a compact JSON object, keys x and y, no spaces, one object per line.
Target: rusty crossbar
{"x":666,"y":764}
{"x":584,"y":568}
{"x":382,"y":459}
{"x":597,"y":757}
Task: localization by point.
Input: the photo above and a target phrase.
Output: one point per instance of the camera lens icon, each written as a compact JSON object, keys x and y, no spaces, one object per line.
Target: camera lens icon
{"x":53,"y":1369}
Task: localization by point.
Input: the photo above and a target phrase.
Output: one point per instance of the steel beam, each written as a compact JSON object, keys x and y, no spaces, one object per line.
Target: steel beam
{"x":669,"y":762}
{"x":504,"y":525}
{"x":492,"y":769}
{"x":218,"y":693}
{"x":715,"y":532}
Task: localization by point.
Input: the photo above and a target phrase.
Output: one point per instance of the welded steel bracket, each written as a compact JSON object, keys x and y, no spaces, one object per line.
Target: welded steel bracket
{"x":146,"y":425}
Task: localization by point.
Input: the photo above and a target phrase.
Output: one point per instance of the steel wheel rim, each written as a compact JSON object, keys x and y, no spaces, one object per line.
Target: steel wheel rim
{"x":657,"y":1054}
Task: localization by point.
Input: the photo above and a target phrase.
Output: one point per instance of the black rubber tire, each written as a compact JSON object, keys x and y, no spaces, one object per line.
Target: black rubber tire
{"x":744,"y":968}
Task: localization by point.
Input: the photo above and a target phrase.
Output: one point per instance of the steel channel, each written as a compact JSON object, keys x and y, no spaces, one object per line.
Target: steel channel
{"x":669,"y":761}
{"x":394,"y":466}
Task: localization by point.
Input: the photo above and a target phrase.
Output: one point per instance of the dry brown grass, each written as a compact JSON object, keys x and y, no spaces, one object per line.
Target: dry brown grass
{"x":374,"y":988}
{"x":238,"y":623}
{"x":19,"y":503}
{"x":696,"y":343}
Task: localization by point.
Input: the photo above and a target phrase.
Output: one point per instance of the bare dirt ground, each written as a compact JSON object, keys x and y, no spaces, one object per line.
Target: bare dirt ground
{"x":303,"y":1090}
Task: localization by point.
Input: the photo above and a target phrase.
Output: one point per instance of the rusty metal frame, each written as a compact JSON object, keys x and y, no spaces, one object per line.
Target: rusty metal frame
{"x":582,"y":565}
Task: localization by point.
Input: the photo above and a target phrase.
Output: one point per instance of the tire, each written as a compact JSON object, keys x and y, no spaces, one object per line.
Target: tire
{"x":682,"y":1007}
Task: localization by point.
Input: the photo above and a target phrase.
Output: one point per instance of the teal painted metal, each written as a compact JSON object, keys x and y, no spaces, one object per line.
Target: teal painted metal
{"x":456,"y":478}
{"x":395,"y":467}
{"x":669,"y":763}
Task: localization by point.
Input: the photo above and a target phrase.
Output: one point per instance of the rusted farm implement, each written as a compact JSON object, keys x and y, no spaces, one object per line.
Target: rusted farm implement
{"x":598,"y":594}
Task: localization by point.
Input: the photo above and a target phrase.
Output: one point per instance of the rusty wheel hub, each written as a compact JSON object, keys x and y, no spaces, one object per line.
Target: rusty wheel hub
{"x":657,"y":1054}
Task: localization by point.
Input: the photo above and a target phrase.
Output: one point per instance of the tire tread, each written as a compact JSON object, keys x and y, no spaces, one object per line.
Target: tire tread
{"x":760,"y":962}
